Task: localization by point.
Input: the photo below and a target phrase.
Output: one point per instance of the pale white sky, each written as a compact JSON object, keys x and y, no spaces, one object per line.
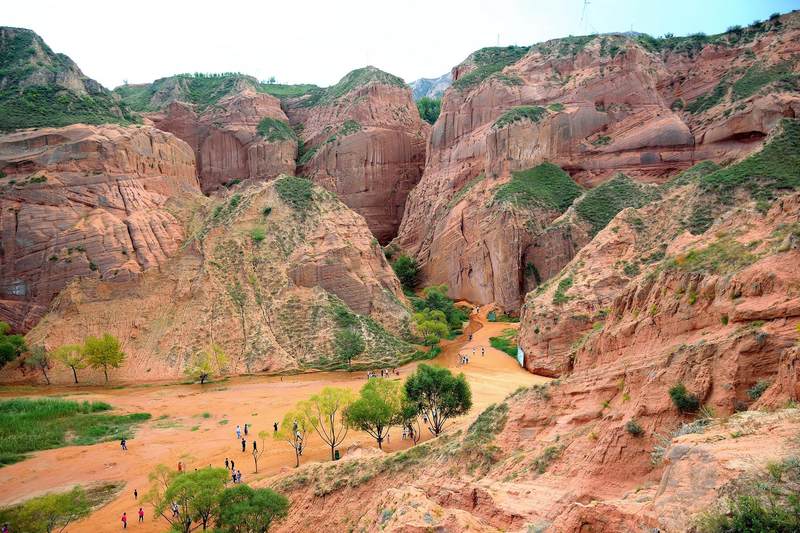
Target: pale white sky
{"x":319,"y":41}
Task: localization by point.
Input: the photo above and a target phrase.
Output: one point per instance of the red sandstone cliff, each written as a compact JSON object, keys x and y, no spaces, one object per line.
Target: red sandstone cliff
{"x":86,"y":201}
{"x":365,"y":141}
{"x":595,"y":106}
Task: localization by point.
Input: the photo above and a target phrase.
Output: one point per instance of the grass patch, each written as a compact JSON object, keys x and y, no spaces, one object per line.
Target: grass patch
{"x":29,"y":425}
{"x":759,"y":76}
{"x":298,"y":193}
{"x":545,"y":184}
{"x":706,"y":101}
{"x":351,"y":81}
{"x":507,"y":342}
{"x":531,"y":113}
{"x":462,"y":192}
{"x":560,"y":296}
{"x":724,"y":256}
{"x":601,"y":204}
{"x":274,"y":130}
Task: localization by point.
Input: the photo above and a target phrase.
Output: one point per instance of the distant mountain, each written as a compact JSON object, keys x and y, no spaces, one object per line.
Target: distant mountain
{"x":41,"y":88}
{"x":431,"y":87}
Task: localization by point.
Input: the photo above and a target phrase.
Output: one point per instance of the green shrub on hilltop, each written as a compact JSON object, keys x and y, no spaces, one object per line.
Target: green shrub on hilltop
{"x":545,"y":184}
{"x":351,"y":81}
{"x":275,"y":130}
{"x":298,"y":193}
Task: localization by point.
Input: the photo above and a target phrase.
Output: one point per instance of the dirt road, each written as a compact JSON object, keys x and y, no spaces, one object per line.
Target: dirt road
{"x":195,"y":424}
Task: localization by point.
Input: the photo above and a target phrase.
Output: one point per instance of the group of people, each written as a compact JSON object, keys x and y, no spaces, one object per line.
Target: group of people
{"x":408,"y":432}
{"x":463,"y":359}
{"x":236,"y":475}
{"x":385,"y":373}
{"x":124,"y":518}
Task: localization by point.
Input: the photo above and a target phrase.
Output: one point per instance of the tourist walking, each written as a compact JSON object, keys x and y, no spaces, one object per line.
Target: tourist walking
{"x":123,"y":444}
{"x":244,"y":444}
{"x":245,"y":429}
{"x":226,"y":463}
{"x":275,"y":425}
{"x":238,"y":476}
{"x":124,"y":520}
{"x":135,"y":494}
{"x":175,"y":512}
{"x":141,"y":515}
{"x":232,"y":464}
{"x":482,"y":351}
{"x":238,"y":432}
{"x":255,"y":448}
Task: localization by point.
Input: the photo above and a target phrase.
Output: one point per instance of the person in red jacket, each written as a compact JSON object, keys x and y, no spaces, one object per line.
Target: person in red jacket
{"x":141,"y":514}
{"x":124,"y":520}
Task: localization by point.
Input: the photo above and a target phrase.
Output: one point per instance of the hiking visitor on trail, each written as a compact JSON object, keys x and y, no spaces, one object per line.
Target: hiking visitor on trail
{"x":141,"y":514}
{"x":226,"y":463}
{"x":244,"y":444}
{"x":245,"y":429}
{"x":123,"y":444}
{"x":275,"y":426}
{"x":175,"y":512}
{"x":238,"y":432}
{"x":135,"y":494}
{"x":255,"y":448}
{"x":124,"y":520}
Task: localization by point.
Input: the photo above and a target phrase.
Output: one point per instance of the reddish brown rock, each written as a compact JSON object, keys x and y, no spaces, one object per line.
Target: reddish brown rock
{"x":600,"y":113}
{"x":86,"y":201}
{"x":368,"y":146}
{"x":225,"y":139}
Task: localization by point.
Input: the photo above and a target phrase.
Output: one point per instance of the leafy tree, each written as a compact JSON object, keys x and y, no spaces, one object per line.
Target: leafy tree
{"x":71,"y":355}
{"x":294,"y":429}
{"x":39,"y":359}
{"x":438,"y":395}
{"x":247,"y":510}
{"x":376,"y":409}
{"x":325,"y":412}
{"x":196,"y":493}
{"x":409,"y":418}
{"x":429,"y":108}
{"x":432,"y":324}
{"x":206,"y":363}
{"x":407,"y":270}
{"x":51,"y":513}
{"x":103,"y":353}
{"x":11,"y":346}
{"x":349,"y":344}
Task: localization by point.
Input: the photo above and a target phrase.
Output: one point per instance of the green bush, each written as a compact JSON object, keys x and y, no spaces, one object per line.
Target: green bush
{"x":429,"y":108}
{"x":685,"y":401}
{"x":507,"y":342}
{"x":757,"y":390}
{"x":298,"y":193}
{"x":258,"y":234}
{"x":275,"y":130}
{"x":545,"y":184}
{"x":531,"y":113}
{"x":634,"y":428}
{"x":560,"y":296}
{"x":759,"y":76}
{"x":407,"y":270}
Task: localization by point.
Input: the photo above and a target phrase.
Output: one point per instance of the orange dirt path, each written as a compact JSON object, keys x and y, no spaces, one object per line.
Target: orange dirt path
{"x":199,"y":442}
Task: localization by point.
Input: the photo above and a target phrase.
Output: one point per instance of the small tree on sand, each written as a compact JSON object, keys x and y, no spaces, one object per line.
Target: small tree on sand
{"x":325,"y":412}
{"x":207,"y":363}
{"x":51,"y":513}
{"x":103,"y":353}
{"x":349,"y":345}
{"x":243,"y":509}
{"x":257,"y":453}
{"x":294,"y":429}
{"x":71,"y":355}
{"x":377,"y":409}
{"x":438,"y":395}
{"x":39,"y":359}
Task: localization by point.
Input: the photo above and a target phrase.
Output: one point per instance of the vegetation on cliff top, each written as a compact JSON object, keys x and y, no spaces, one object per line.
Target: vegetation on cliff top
{"x":489,"y":61}
{"x":545,"y":184}
{"x":351,"y":81}
{"x":429,"y":108}
{"x":523,"y":112}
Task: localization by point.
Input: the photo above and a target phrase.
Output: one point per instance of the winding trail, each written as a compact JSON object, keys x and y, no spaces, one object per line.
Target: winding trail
{"x":186,"y":435}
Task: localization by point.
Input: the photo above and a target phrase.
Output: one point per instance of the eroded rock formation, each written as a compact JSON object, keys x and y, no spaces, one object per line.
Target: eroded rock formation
{"x":86,"y":202}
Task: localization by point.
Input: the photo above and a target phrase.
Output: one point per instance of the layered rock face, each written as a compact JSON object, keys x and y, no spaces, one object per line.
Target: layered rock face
{"x":363,"y":139}
{"x":269,"y":280}
{"x":595,"y":106}
{"x":225,"y":137}
{"x":86,"y":202}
